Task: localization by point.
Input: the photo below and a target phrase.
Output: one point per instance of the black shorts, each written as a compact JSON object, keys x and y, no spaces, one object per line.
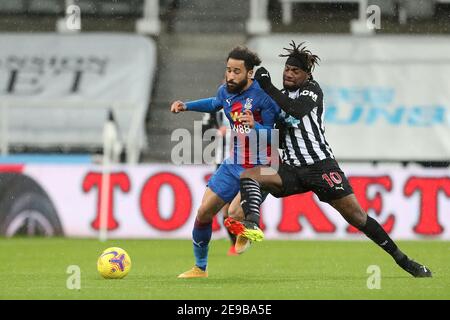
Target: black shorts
{"x":324,"y":178}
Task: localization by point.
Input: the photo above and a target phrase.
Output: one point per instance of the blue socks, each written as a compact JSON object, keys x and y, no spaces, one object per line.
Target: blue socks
{"x":201,"y":235}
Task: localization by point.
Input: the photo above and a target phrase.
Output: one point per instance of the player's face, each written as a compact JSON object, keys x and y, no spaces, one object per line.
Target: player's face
{"x":293,"y":77}
{"x":236,"y":75}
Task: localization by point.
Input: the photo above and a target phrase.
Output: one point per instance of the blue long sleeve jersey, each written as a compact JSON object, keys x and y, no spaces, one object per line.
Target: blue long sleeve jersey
{"x":265,"y":112}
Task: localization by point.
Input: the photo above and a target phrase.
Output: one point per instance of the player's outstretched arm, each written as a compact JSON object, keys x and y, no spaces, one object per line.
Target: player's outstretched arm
{"x":297,"y":108}
{"x":177,"y":106}
{"x":208,"y":105}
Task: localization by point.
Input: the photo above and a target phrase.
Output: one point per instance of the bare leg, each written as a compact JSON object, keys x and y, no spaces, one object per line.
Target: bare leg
{"x":350,"y":209}
{"x":235,"y":210}
{"x":225,"y":210}
{"x":211,"y":204}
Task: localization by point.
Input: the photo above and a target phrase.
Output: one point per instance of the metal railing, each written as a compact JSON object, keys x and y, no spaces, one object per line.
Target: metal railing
{"x":258,"y":22}
{"x":286,"y":6}
{"x":149,"y":23}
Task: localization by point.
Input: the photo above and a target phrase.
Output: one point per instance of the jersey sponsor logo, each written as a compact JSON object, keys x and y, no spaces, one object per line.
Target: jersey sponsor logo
{"x":235,"y":115}
{"x":240,"y":128}
{"x":236,"y":112}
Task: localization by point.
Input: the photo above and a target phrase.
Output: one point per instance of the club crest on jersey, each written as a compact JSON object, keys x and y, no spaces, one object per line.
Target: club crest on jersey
{"x":248,"y":104}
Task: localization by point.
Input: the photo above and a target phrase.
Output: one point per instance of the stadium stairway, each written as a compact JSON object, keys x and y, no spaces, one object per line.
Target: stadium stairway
{"x":191,"y":53}
{"x":191,"y":66}
{"x":219,"y":16}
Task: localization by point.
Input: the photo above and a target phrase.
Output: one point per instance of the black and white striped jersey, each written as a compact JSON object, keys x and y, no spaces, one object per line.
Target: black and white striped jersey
{"x":217,"y":121}
{"x":302,"y":131}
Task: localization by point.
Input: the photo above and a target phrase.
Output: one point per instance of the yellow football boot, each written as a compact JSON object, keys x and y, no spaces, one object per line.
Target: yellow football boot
{"x":242,"y":244}
{"x":248,"y":229}
{"x":253,"y":232}
{"x":195,"y":272}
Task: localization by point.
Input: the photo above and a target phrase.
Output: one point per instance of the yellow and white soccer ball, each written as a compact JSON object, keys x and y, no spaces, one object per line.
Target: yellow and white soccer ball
{"x":114,"y":263}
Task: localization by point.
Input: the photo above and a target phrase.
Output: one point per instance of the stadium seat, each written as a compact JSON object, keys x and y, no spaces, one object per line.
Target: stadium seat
{"x":11,"y":6}
{"x":46,"y":7}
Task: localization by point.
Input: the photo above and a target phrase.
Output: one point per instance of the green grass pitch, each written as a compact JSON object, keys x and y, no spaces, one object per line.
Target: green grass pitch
{"x":36,"y":269}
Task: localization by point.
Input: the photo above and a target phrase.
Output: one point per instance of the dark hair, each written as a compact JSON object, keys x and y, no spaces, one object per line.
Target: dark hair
{"x":304,"y":58}
{"x":250,"y":58}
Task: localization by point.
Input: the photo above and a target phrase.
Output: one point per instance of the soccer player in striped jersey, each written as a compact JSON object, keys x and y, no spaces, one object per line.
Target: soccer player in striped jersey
{"x":308,"y":161}
{"x":250,"y":112}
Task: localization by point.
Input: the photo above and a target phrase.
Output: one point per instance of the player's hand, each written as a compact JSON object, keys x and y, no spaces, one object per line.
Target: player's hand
{"x":263,"y":77}
{"x":247,"y":119}
{"x":178,"y":106}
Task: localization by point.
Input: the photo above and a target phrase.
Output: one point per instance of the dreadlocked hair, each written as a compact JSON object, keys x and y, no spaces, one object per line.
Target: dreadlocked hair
{"x":302,"y":54}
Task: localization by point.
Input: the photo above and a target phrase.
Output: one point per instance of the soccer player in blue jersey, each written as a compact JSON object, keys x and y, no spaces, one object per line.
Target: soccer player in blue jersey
{"x":220,"y":122}
{"x":249,"y":109}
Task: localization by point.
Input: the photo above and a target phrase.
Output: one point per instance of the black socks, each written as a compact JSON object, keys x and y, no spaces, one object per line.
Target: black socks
{"x":376,"y":233}
{"x":251,"y":199}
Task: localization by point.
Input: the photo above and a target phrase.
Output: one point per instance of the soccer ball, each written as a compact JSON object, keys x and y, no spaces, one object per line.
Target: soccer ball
{"x":114,"y":263}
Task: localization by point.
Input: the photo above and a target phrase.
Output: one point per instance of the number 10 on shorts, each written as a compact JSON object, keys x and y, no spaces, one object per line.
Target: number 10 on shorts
{"x":332,"y":178}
